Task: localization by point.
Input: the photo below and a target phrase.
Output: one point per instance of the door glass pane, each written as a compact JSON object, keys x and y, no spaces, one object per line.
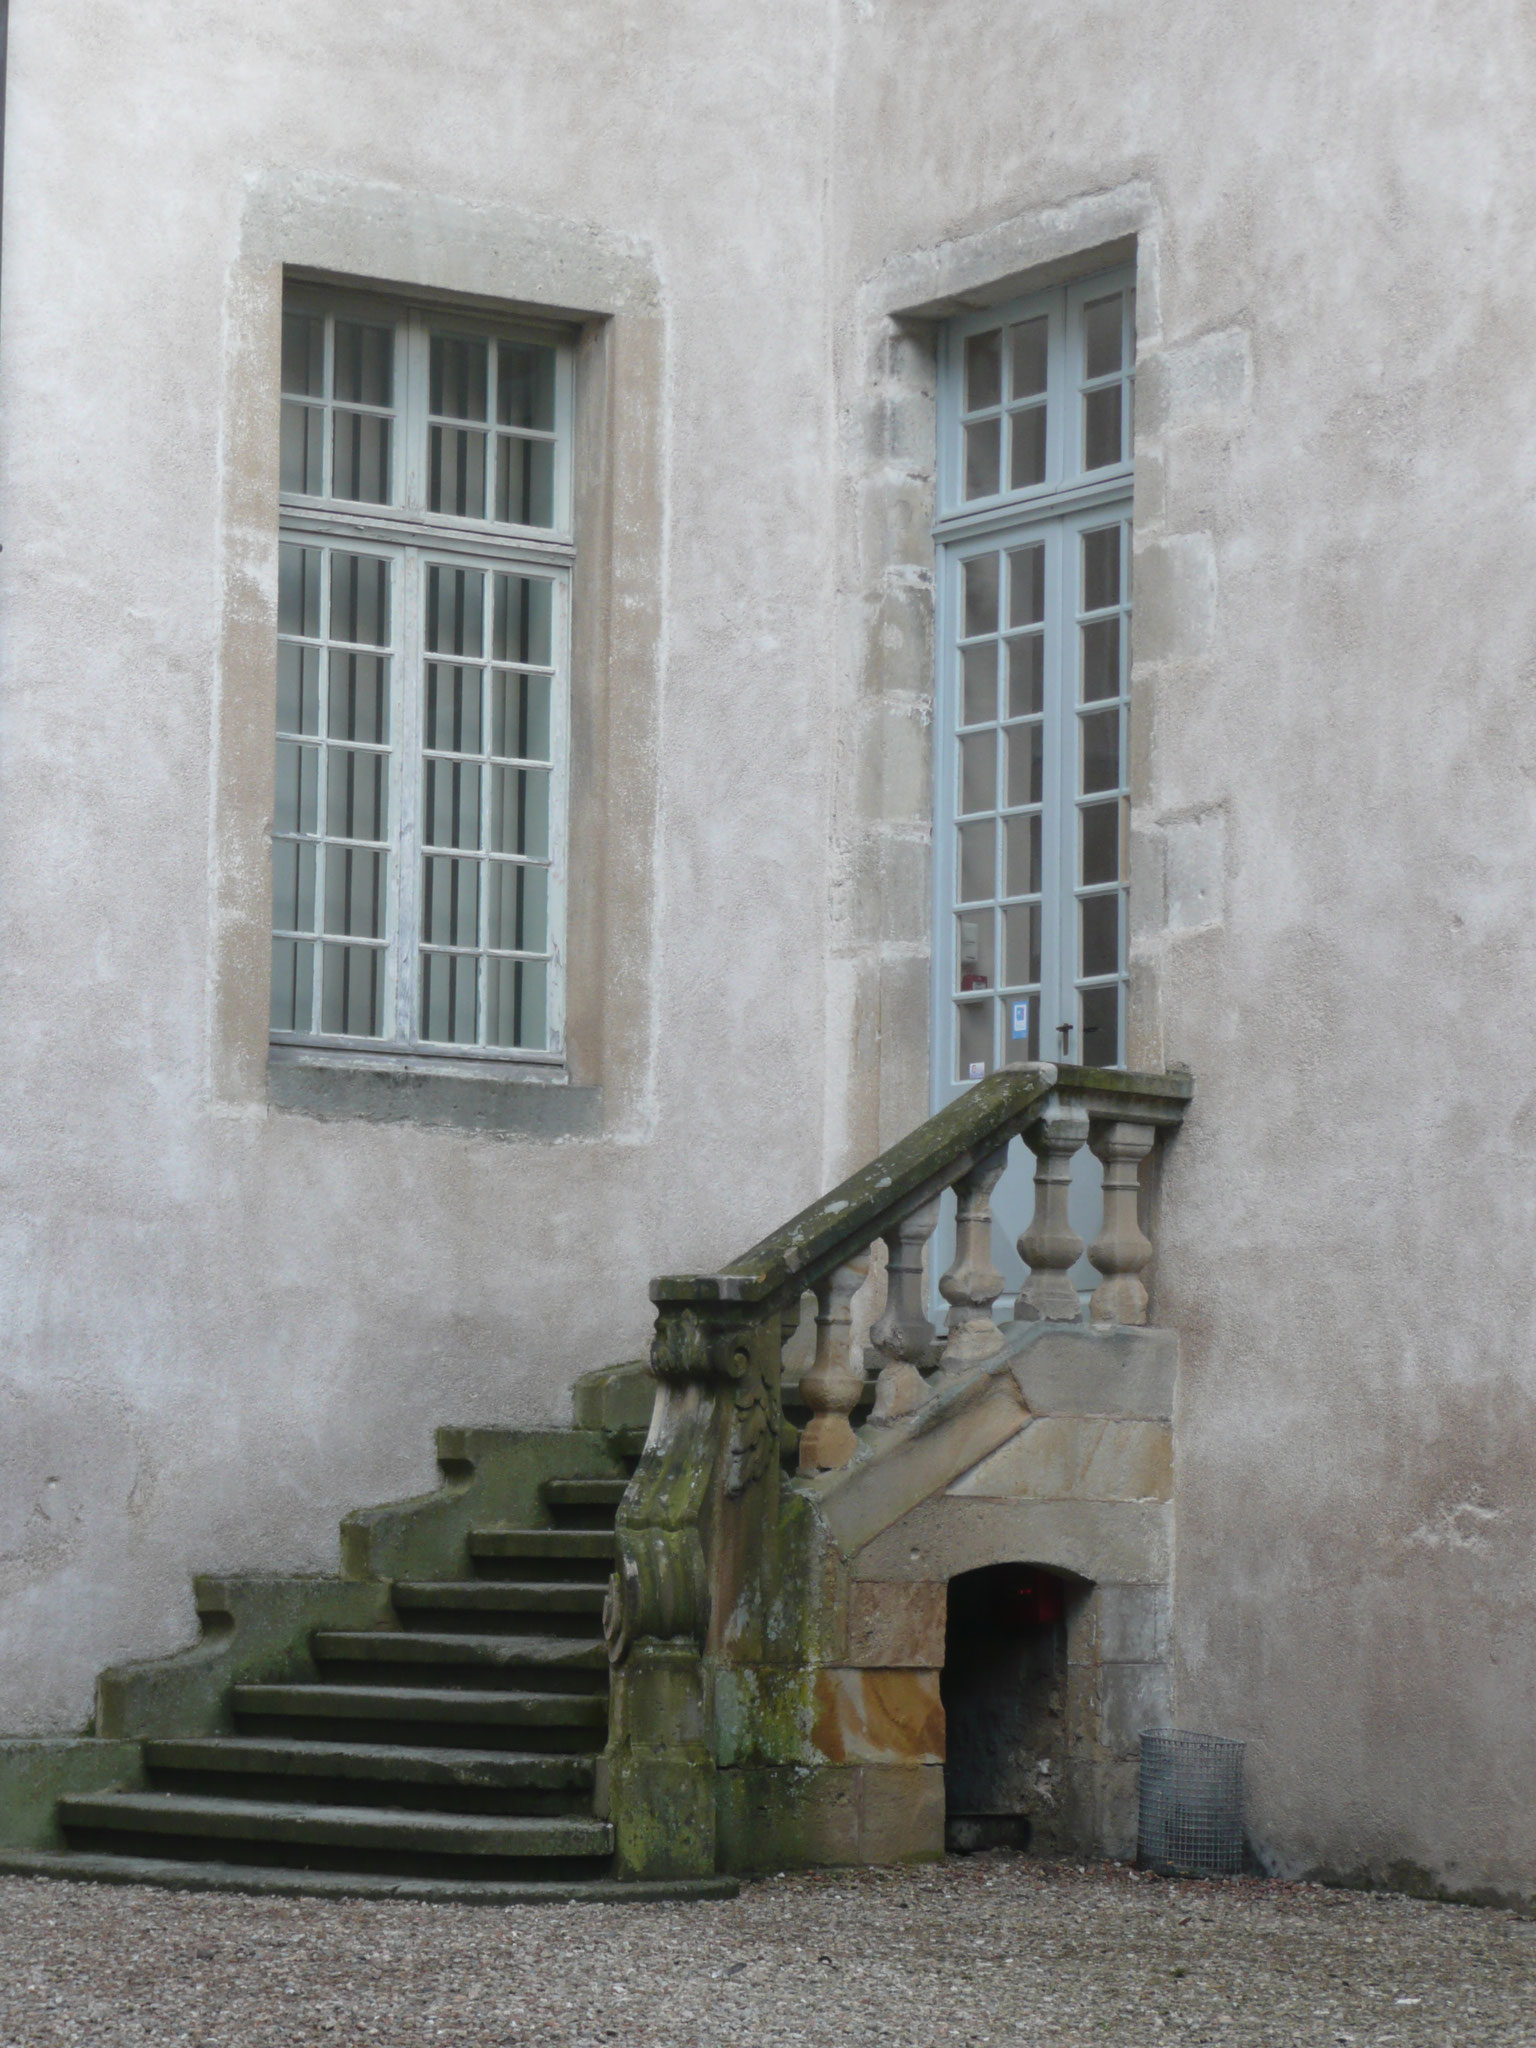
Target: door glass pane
{"x":451,"y":713}
{"x":360,"y":599}
{"x":356,"y":794}
{"x":525,"y":384}
{"x":458,"y":377}
{"x":456,"y":471}
{"x":976,"y":951}
{"x":1101,"y":751}
{"x":1100,"y":1035}
{"x":1101,"y":427}
{"x":1101,"y":843}
{"x":1026,"y":585}
{"x":455,"y":610}
{"x":298,"y":590}
{"x":450,"y":806}
{"x":1026,"y":745}
{"x":978,"y":690}
{"x":1021,"y":944}
{"x":517,"y":1003}
{"x":297,"y":805}
{"x":360,"y":458}
{"x":525,"y":481}
{"x":523,"y":626}
{"x":359,"y":697}
{"x":978,"y":861}
{"x":1101,"y":659}
{"x":365,"y":364}
{"x":973,"y":1040}
{"x":298,"y":688}
{"x":1100,"y":935}
{"x":1022,"y":855}
{"x":520,"y":812}
{"x":1101,"y":568}
{"x":520,"y":714}
{"x":1102,"y":336}
{"x":978,"y":772}
{"x":981,"y":594}
{"x":517,"y":907}
{"x":450,"y":911}
{"x":1026,"y":676}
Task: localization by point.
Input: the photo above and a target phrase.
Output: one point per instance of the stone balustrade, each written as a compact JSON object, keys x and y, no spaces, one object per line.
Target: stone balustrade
{"x":895,"y":1200}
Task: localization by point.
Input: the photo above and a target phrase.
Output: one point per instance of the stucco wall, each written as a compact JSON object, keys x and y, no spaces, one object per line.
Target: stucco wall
{"x":225,"y":1325}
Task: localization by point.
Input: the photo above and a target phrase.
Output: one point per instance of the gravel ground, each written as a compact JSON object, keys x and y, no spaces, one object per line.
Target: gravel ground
{"x":983,"y":1950}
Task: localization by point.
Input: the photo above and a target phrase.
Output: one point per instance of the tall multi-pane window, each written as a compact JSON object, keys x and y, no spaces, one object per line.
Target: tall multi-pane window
{"x":418,"y":846}
{"x":1033,"y":636}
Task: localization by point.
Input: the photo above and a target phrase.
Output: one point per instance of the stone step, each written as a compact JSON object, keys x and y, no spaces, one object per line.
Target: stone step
{"x":336,"y":1827}
{"x":185,"y":1875}
{"x":437,"y":1704}
{"x":458,"y":1770}
{"x":593,"y":1546}
{"x":498,"y":1596}
{"x":583,"y":1493}
{"x":395,"y":1646}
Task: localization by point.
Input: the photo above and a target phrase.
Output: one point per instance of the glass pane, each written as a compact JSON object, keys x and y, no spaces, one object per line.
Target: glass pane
{"x":978,"y":683}
{"x":360,"y":599}
{"x":1026,"y":676}
{"x":451,"y":805}
{"x":1101,"y":660}
{"x":297,"y":804}
{"x":980,"y":574}
{"x":1101,"y":843}
{"x":365,"y":364}
{"x":1101,"y":427}
{"x":360,"y":458}
{"x":298,"y":688}
{"x":1100,"y":1009}
{"x":1021,"y":944}
{"x":520,"y":811}
{"x":1026,"y":462}
{"x":523,"y":629}
{"x":303,"y":354}
{"x":978,"y":772}
{"x":452,"y":713}
{"x":299,"y":468}
{"x":520,"y":712}
{"x":983,"y":458}
{"x":1025,"y":764}
{"x":1101,"y":336}
{"x":354,"y":892}
{"x":517,"y":907}
{"x":1101,"y":568}
{"x":448,"y":987}
{"x":975,"y":961}
{"x":1100,"y":934}
{"x":974,"y":1041}
{"x":1021,"y":1020}
{"x":1027,"y":344}
{"x":525,"y":384}
{"x":1021,"y":856}
{"x":450,"y":902}
{"x":298,"y":589}
{"x":1026,"y":586}
{"x":1101,"y":751}
{"x":458,"y":377}
{"x":356,"y":795}
{"x":984,"y":370}
{"x":517,"y":1003}
{"x":455,"y":610}
{"x":293,"y":982}
{"x":352,"y":990}
{"x":525,"y":481}
{"x":456,"y":471}
{"x":359,"y":697}
{"x":978,"y":862}
{"x":293,"y":887}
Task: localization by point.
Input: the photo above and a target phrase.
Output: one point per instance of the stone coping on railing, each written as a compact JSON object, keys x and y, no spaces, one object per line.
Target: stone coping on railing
{"x":919,"y":1166}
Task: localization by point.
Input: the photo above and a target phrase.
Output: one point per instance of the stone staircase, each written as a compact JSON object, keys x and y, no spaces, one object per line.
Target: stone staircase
{"x":449,"y":1751}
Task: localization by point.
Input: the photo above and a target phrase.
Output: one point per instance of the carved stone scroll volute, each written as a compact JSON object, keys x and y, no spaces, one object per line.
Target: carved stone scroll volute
{"x":903,"y":1336}
{"x":1050,"y":1246}
{"x":973,"y":1283}
{"x":1120,"y":1250}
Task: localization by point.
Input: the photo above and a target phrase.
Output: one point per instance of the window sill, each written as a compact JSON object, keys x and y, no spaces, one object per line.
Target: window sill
{"x":335,"y":1087}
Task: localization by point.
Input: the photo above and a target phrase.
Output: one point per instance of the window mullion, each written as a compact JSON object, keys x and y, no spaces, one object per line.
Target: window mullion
{"x":558,"y":849}
{"x":407,"y":773}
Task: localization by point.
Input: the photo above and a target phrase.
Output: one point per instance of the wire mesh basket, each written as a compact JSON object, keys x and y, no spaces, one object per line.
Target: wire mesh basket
{"x":1191,"y":1820}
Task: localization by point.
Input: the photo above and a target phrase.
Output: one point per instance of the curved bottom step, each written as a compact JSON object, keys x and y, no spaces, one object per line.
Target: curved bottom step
{"x":323,"y":1884}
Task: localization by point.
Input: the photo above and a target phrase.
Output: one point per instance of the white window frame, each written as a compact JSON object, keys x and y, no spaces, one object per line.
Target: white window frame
{"x":1053,"y":512}
{"x":413,"y":539}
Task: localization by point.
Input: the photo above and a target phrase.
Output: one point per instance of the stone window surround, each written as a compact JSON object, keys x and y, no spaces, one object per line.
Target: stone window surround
{"x":603,"y":289}
{"x":882,"y":886}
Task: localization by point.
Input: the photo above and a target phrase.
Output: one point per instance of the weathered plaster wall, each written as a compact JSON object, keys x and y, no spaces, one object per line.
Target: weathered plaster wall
{"x":225,"y":1326}
{"x":1334,"y":793}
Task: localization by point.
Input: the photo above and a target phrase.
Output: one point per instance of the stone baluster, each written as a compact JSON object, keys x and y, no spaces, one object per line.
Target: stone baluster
{"x":1051,"y":1247}
{"x":832,"y":1387}
{"x":1120,"y":1250}
{"x":903,"y":1336}
{"x":973,"y":1283}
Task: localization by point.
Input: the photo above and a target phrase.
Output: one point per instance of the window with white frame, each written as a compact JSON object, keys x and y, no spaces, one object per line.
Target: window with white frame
{"x":418,"y":846}
{"x":1033,"y":637}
